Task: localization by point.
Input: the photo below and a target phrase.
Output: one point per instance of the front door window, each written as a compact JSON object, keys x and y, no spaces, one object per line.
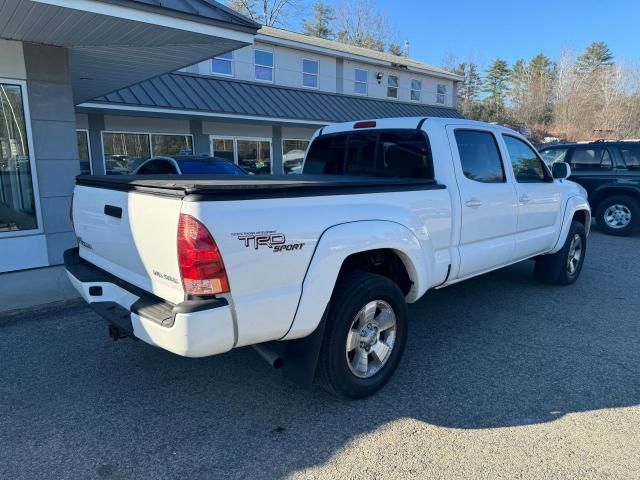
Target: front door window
{"x":17,"y":199}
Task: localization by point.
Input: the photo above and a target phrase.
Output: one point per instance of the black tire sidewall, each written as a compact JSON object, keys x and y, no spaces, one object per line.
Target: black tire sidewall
{"x":353,"y":293}
{"x":630,"y":203}
{"x":565,"y":277}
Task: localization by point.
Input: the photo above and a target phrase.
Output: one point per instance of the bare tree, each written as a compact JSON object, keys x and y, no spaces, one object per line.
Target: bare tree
{"x":363,"y":24}
{"x":272,"y":13}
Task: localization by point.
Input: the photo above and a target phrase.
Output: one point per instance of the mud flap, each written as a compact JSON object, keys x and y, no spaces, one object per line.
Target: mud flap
{"x":301,"y":356}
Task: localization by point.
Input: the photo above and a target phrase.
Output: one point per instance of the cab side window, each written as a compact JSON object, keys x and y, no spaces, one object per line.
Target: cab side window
{"x":479,"y":156}
{"x":592,"y":158}
{"x":527,"y":166}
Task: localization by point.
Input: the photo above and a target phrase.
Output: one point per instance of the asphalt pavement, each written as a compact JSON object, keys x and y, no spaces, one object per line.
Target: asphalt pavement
{"x":502,"y":378}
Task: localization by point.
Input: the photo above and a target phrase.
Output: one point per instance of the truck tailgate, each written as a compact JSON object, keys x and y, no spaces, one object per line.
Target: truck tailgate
{"x":132,"y":236}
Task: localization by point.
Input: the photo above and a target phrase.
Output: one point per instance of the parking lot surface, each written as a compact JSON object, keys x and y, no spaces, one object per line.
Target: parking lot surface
{"x":502,"y":378}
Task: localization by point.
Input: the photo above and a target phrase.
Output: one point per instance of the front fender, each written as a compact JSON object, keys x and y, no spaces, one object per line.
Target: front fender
{"x":574,"y":204}
{"x":341,"y":241}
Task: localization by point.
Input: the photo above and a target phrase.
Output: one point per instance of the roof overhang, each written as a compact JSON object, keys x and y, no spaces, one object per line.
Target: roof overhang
{"x":116,"y":43}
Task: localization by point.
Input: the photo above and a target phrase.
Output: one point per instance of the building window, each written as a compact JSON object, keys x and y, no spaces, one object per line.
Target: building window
{"x":293,"y":155}
{"x":223,"y":64}
{"x":84,"y":155}
{"x":17,"y":198}
{"x":392,"y":86}
{"x":361,"y":84}
{"x":264,"y":65}
{"x":123,"y":152}
{"x":171,"y":145}
{"x":416,"y":90}
{"x":254,"y":155}
{"x":223,"y":148}
{"x":310,"y":71}
{"x":442,"y":94}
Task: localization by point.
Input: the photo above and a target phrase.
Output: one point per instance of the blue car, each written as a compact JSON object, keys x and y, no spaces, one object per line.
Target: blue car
{"x":188,"y":165}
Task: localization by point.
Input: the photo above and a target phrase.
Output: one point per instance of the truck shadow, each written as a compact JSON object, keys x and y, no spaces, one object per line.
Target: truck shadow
{"x":496,"y":351}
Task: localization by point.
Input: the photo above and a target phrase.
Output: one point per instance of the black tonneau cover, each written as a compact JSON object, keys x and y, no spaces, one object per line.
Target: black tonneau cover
{"x":235,"y":187}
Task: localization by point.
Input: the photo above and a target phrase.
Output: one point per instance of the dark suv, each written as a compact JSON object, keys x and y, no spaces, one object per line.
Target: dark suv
{"x":610,"y":172}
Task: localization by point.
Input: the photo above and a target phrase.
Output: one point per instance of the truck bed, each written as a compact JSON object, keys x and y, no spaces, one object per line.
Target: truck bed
{"x":233,"y":187}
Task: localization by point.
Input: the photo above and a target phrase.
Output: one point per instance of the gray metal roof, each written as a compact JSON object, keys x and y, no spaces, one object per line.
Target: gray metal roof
{"x":204,"y":10}
{"x":198,"y":93}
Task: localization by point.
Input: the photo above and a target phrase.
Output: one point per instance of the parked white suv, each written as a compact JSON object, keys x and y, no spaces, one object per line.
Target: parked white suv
{"x":323,"y":264}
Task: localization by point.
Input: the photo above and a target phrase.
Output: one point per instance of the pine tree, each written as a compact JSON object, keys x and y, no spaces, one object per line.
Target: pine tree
{"x":496,"y":85}
{"x":320,"y":23}
{"x":469,"y":90}
{"x":595,"y":55}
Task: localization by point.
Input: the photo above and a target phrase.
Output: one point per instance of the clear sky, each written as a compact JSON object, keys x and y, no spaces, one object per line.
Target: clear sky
{"x":481,"y":30}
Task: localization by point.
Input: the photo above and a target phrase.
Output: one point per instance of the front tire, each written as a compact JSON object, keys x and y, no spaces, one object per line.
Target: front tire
{"x":618,"y":215}
{"x":564,"y":266}
{"x":365,"y":335}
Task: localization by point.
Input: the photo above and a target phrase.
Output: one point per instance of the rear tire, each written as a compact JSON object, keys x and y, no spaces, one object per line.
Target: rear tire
{"x":619,"y":215}
{"x":564,"y":266}
{"x":365,"y":335}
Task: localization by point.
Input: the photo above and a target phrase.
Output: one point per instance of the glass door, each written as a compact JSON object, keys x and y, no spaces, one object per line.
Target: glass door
{"x":17,"y":197}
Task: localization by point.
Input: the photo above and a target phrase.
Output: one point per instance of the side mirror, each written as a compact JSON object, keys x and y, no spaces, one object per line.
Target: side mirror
{"x":561,"y":170}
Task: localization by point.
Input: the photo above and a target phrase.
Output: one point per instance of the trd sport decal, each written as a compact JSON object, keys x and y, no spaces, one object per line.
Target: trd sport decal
{"x":273,"y":240}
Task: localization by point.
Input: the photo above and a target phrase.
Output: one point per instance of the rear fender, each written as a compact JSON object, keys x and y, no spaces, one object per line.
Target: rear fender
{"x":574,"y":204}
{"x":339,"y":242}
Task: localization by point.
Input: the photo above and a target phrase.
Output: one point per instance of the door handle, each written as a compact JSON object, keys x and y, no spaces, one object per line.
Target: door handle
{"x":474,"y":203}
{"x":524,"y":199}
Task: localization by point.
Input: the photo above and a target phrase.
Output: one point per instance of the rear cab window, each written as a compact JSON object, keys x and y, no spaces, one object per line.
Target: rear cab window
{"x":374,"y":153}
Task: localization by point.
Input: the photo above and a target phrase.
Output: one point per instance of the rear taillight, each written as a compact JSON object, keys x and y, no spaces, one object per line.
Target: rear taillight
{"x":201,"y":264}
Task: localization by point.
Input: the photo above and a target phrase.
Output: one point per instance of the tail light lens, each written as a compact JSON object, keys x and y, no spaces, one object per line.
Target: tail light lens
{"x":201,"y":265}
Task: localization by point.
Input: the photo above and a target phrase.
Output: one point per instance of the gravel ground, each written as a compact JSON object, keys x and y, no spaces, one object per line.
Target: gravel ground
{"x":502,"y":378}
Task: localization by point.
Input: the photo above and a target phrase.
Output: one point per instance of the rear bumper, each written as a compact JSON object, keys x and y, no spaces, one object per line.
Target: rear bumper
{"x":197,"y":328}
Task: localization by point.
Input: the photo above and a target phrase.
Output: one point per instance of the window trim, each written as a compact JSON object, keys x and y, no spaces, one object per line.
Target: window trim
{"x":397,"y":87}
{"x":316,"y":75}
{"x":356,"y":82}
{"x":231,"y":62}
{"x":272,"y":66}
{"x":498,"y":148}
{"x":32,"y":162}
{"x":548,"y":177}
{"x":86,"y":132}
{"x":419,"y":100}
{"x":148,"y":134}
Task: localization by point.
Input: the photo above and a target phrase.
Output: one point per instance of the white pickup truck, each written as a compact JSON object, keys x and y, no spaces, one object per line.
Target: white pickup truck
{"x":318,"y":268}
